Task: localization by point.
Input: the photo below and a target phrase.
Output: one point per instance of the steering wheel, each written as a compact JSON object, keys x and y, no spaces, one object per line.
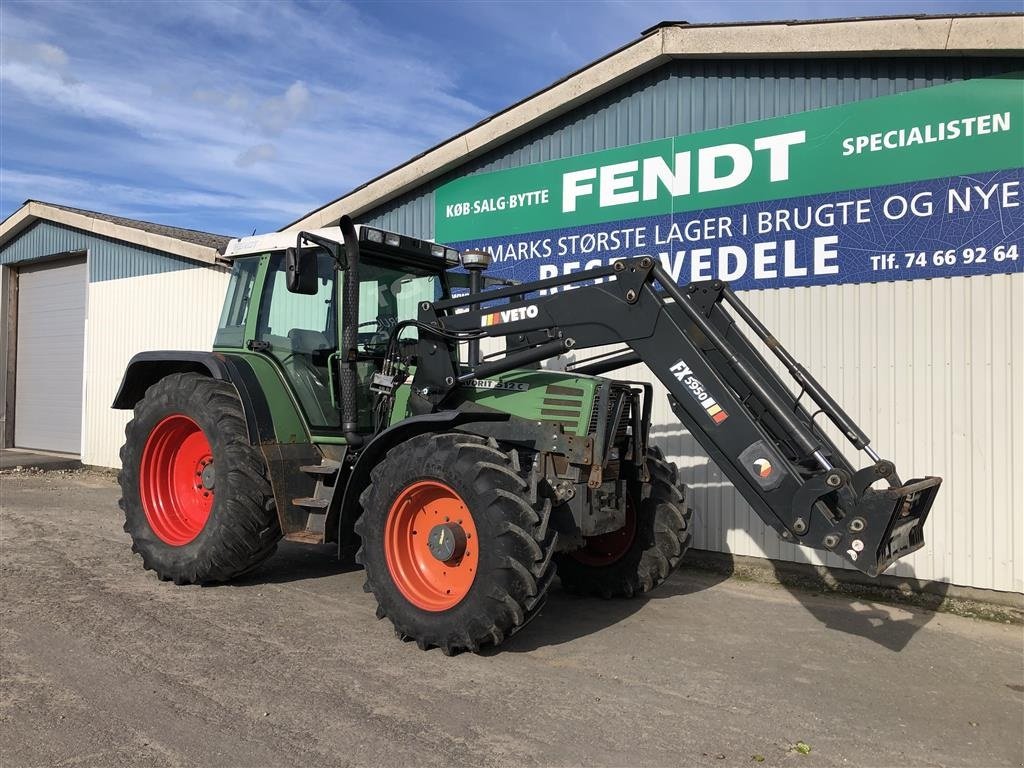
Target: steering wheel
{"x":383,"y":324}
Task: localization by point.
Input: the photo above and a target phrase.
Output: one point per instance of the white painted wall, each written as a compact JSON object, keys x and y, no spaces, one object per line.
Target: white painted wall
{"x":171,"y":310}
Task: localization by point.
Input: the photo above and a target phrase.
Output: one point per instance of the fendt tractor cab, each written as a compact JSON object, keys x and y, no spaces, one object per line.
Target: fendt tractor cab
{"x":346,"y":400}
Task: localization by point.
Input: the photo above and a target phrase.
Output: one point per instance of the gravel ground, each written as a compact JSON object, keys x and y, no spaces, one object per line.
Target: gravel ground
{"x":104,"y":665}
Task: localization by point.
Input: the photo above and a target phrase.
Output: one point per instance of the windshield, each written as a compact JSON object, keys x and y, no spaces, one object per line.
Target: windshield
{"x":231,"y":329}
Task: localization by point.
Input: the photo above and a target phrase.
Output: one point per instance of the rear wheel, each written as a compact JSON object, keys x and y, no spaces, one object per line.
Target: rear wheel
{"x":196,"y":498}
{"x":646,"y":550}
{"x":456,"y":551}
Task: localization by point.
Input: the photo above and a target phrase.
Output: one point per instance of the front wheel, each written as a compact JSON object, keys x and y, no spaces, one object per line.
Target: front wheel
{"x":646,"y":550}
{"x":194,"y":491}
{"x":456,"y":550}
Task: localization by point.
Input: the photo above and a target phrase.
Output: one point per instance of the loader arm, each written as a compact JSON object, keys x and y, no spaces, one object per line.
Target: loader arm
{"x":720,"y":387}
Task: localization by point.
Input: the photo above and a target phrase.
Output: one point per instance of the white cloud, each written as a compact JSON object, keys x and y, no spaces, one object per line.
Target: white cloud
{"x":261,"y":153}
{"x":275,"y":115}
{"x":51,"y":54}
{"x":44,"y":87}
{"x":12,"y":49}
{"x":232,"y":101}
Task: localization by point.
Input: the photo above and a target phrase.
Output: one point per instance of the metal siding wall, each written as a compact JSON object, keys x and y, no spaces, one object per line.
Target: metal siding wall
{"x":933,"y":370}
{"x":109,"y":259}
{"x":177,"y":310}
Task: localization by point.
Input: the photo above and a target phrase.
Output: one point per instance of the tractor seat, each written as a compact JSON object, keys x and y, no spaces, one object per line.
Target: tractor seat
{"x":309,"y":378}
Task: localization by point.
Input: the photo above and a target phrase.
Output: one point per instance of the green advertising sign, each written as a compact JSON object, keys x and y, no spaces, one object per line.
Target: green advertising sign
{"x":969,"y":127}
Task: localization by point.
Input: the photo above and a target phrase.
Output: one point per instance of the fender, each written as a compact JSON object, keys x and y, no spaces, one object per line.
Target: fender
{"x":147,"y":368}
{"x":371,"y":455}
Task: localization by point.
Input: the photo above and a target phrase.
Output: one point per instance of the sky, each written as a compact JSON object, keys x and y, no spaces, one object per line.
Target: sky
{"x":235,"y":117}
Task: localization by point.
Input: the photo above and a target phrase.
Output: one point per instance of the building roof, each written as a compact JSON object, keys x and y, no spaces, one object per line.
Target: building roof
{"x":187,"y":235}
{"x":922,"y":35}
{"x":189,"y":243}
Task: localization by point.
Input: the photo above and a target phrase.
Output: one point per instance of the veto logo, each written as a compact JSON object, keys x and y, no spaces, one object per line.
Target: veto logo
{"x":684,"y":374}
{"x":509,"y":316}
{"x":764,"y":467}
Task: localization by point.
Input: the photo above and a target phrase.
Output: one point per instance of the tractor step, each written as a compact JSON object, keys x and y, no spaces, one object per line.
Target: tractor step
{"x":326,"y":467}
{"x":316,"y":506}
{"x":305,"y":537}
{"x":312,"y":503}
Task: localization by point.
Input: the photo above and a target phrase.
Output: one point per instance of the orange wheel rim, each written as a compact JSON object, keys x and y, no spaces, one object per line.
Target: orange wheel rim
{"x":422,"y":522}
{"x":176,"y":480}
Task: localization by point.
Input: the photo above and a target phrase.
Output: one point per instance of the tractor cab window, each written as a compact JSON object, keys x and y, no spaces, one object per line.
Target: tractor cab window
{"x":389,"y":294}
{"x":231,"y":329}
{"x":301,"y":333}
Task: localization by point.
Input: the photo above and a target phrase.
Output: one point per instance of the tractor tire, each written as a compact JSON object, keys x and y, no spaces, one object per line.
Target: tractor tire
{"x":194,"y":491}
{"x":649,"y":548}
{"x":464,"y":492}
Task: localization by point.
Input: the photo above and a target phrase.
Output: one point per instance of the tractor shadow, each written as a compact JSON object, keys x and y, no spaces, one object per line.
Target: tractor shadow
{"x":567,"y":617}
{"x":888,"y":611}
{"x":295,"y":561}
{"x":879,"y":614}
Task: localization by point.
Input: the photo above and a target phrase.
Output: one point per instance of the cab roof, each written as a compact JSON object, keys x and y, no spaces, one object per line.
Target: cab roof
{"x":378,"y":239}
{"x":277,"y":241}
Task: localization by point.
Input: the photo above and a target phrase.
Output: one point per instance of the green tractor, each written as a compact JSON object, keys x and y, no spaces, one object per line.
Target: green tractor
{"x":346,"y":400}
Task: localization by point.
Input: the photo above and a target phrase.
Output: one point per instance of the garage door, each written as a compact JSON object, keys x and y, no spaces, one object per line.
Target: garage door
{"x":51,"y":349}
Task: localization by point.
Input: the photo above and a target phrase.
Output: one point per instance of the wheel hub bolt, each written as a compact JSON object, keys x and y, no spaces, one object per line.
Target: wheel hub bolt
{"x":447,"y":542}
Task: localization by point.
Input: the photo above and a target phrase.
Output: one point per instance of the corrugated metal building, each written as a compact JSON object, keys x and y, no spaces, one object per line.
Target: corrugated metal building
{"x":81,"y":293}
{"x":933,"y":369}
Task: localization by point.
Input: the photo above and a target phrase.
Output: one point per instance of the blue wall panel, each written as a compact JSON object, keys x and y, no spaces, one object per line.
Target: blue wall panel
{"x":688,"y":96}
{"x":109,"y":259}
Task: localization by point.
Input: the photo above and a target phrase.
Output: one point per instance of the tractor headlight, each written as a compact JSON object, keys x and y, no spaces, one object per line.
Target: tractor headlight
{"x":373,"y":235}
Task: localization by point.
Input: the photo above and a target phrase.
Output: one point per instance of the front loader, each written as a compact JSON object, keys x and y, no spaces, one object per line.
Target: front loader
{"x":347,"y":400}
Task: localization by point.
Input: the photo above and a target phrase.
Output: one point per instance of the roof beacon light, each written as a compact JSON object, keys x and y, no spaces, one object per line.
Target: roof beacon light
{"x":476,"y":259}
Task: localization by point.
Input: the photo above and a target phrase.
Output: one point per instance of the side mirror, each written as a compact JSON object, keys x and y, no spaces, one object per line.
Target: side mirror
{"x":301,"y":270}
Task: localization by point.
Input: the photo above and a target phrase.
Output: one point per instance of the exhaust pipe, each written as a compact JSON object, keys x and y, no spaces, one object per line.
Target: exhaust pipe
{"x":349,"y":338}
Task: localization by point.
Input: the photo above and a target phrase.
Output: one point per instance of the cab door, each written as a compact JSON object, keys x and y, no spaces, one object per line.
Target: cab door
{"x":300,"y":331}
